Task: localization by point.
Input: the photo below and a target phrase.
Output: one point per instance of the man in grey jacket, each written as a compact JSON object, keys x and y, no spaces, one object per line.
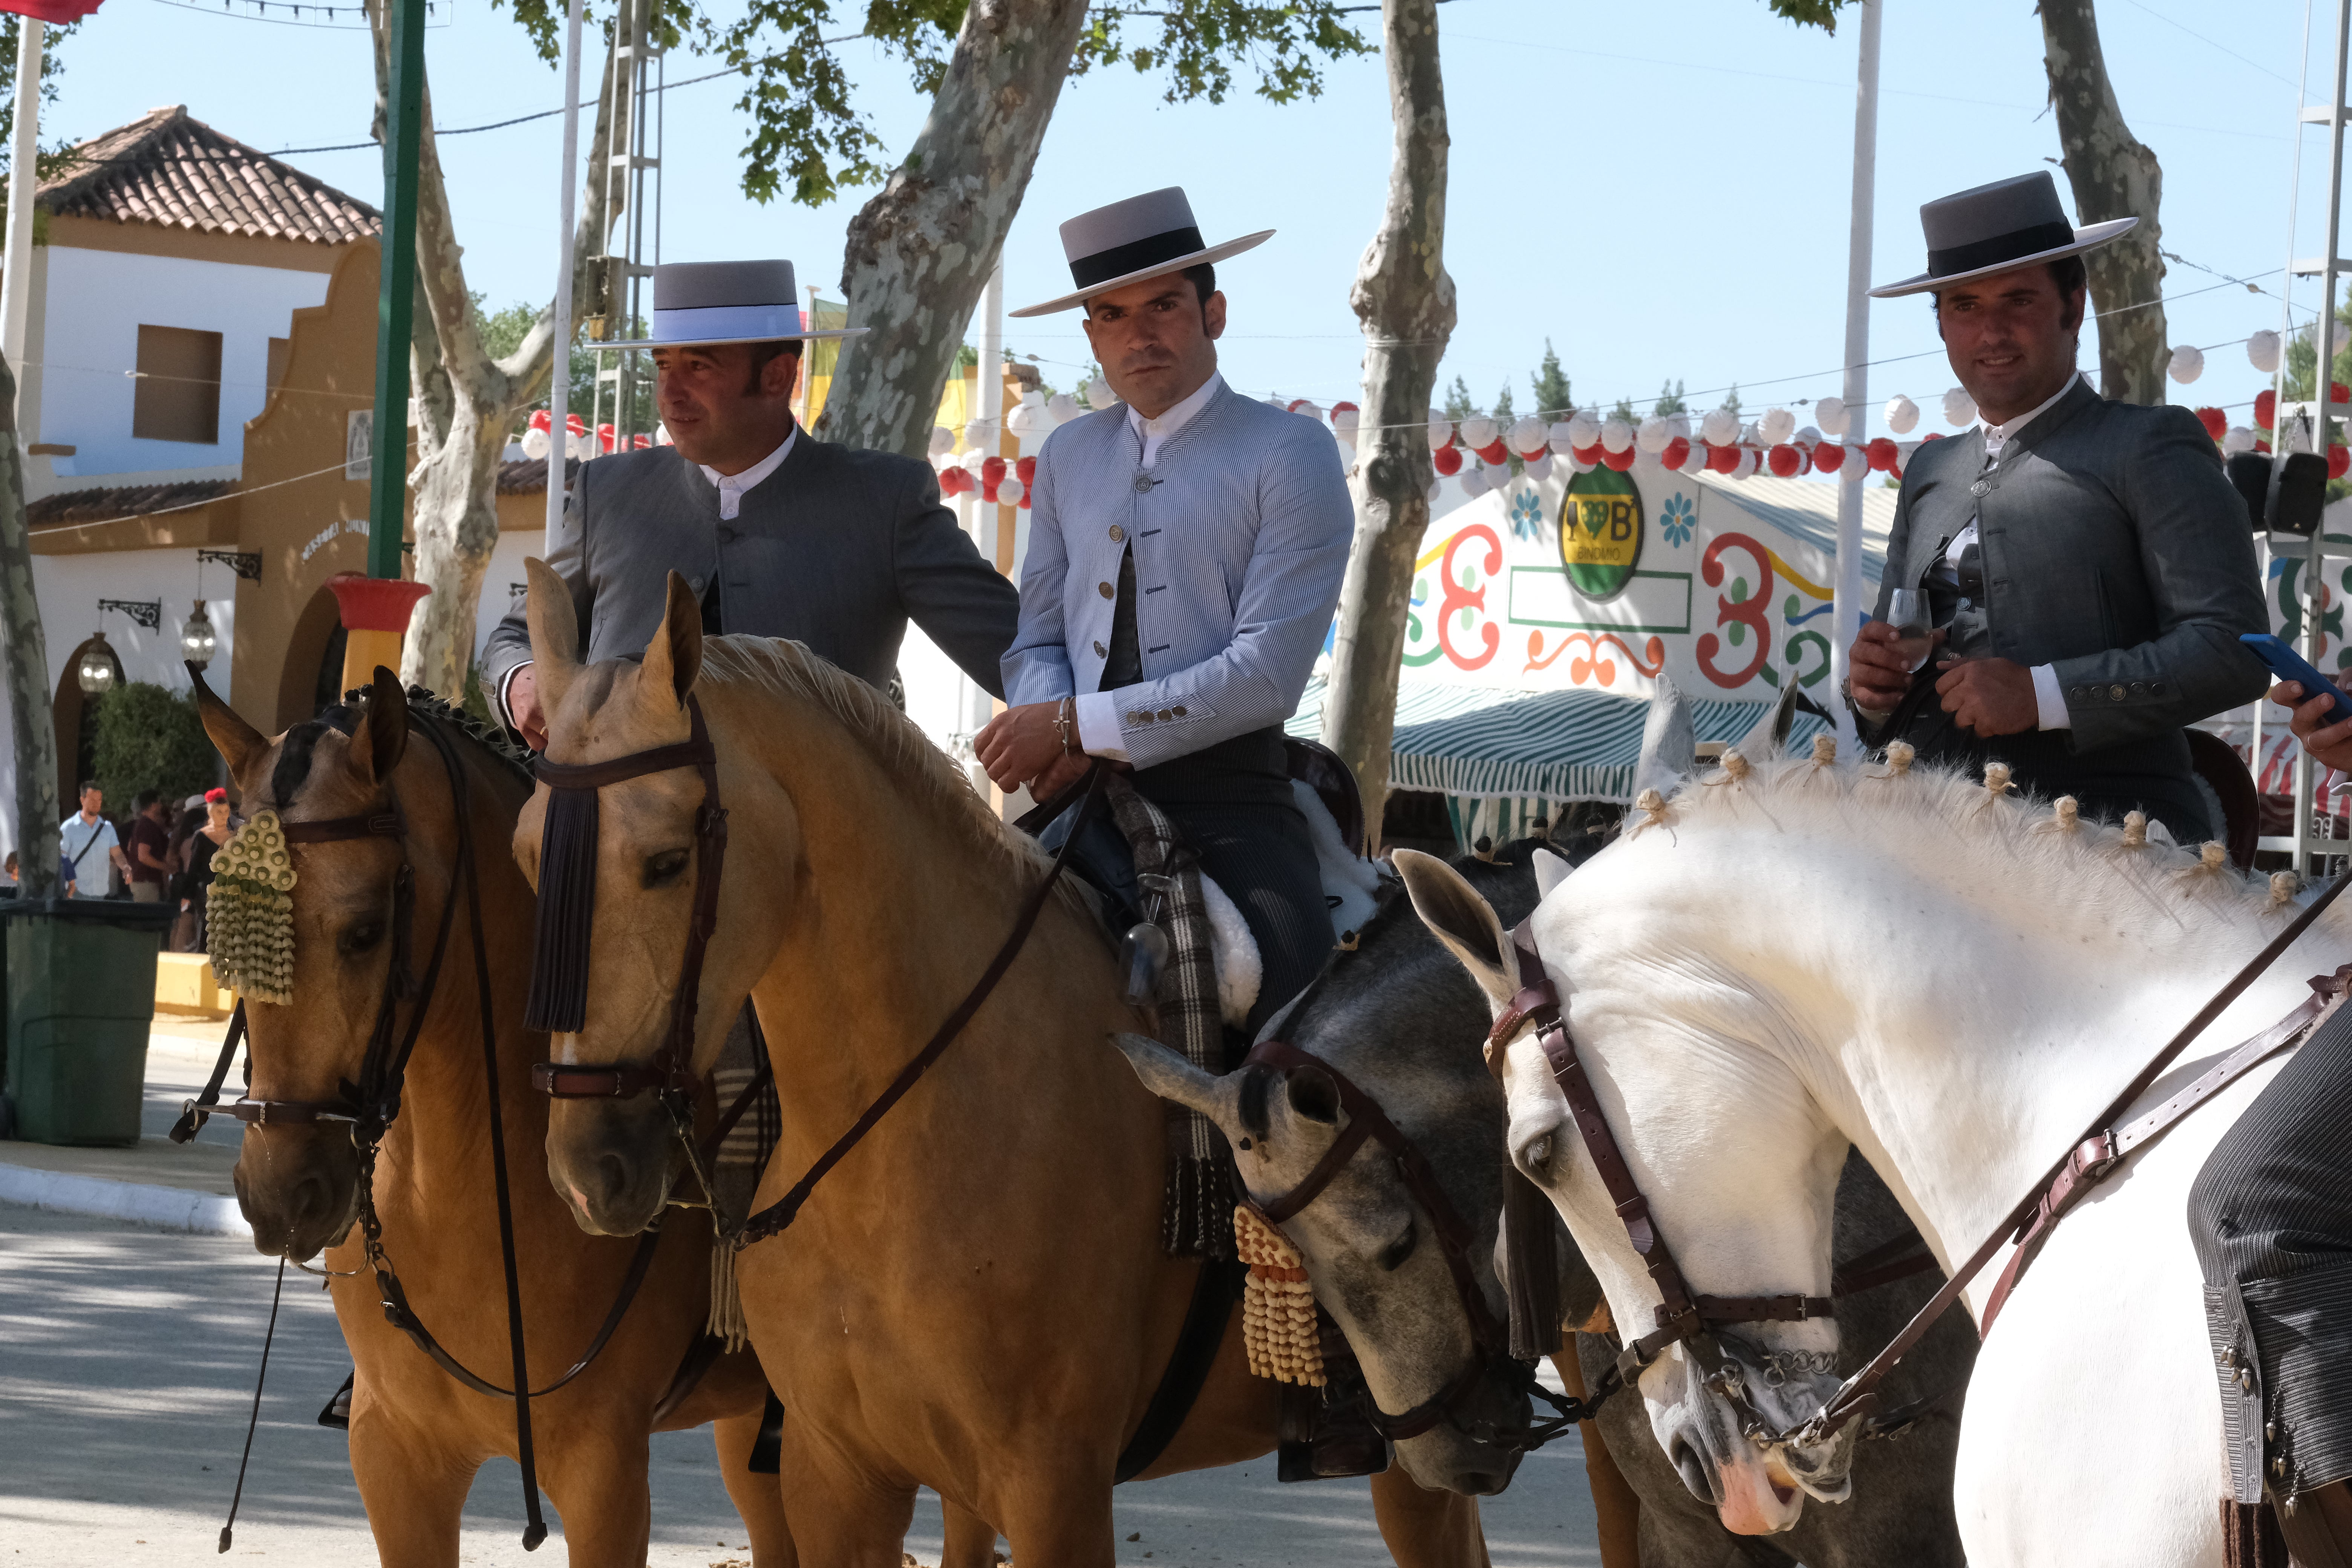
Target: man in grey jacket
{"x":779,"y":534}
{"x":2085,"y":567}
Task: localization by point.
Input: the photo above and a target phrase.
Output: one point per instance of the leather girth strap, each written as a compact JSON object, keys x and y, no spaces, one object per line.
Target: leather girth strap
{"x":1215,"y":1291}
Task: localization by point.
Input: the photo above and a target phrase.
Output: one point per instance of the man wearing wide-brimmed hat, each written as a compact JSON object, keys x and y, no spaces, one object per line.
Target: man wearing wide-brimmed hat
{"x":779,"y":534}
{"x":2086,"y":568}
{"x":1184,"y":561}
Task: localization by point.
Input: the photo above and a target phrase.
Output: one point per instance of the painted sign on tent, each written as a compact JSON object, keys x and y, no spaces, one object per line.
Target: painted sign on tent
{"x":1600,"y":534}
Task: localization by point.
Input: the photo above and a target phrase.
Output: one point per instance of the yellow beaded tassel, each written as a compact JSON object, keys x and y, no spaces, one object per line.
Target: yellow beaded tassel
{"x":248,"y":917}
{"x":1278,"y":1328}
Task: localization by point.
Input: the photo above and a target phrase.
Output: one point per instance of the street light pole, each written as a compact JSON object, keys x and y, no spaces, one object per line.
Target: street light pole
{"x":16,"y":270}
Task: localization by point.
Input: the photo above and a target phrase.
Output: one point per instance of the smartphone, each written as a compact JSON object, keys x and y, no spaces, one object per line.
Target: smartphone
{"x":2289,"y":664}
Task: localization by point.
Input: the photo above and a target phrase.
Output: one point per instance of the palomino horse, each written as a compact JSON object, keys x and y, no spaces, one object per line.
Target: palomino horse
{"x":1402,"y":1021}
{"x":417,"y":1434}
{"x":1789,"y":956}
{"x":976,"y":1299}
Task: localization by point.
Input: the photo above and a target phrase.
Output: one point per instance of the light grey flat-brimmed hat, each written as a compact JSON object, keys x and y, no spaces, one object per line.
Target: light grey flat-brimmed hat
{"x":700,"y":304}
{"x":1995,"y":227}
{"x":1127,"y":242}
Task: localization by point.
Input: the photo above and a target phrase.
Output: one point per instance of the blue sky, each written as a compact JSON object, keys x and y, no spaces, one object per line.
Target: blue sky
{"x":1659,"y":191}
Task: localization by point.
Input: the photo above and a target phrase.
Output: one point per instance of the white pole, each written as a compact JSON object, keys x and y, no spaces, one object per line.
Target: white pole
{"x":1848,"y":607}
{"x":558,"y":388}
{"x":991,"y":401}
{"x":16,"y":270}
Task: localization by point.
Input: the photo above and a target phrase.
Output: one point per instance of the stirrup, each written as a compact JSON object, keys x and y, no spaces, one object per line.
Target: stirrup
{"x":337,"y":1412}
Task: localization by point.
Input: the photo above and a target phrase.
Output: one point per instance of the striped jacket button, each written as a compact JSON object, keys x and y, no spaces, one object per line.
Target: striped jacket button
{"x":1101,"y":652}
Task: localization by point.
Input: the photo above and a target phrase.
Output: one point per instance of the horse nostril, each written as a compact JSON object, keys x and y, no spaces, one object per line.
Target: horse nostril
{"x":1696,"y":1477}
{"x":616,"y":1173}
{"x":308,"y":1206}
{"x":1477,"y":1483}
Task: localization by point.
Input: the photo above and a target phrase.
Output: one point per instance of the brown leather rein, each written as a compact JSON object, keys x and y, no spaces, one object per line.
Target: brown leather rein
{"x":1687,"y":1317}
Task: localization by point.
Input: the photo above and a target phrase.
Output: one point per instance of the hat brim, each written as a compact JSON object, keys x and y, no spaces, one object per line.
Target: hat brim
{"x":1158,"y":269}
{"x":809,"y":337}
{"x":2089,"y":237}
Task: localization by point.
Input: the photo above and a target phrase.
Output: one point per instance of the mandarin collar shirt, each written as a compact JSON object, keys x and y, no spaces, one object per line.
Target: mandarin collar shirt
{"x":731,"y":487}
{"x":1155,"y":431}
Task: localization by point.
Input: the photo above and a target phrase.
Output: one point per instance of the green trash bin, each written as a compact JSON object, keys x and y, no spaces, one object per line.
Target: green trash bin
{"x":80,"y":997}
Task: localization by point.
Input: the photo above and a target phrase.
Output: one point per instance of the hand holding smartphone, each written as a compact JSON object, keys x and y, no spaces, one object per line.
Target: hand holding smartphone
{"x":2289,"y":664}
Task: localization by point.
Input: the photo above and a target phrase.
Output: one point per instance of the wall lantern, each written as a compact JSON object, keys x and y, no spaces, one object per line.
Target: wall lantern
{"x":198,"y":642}
{"x":96,"y":670}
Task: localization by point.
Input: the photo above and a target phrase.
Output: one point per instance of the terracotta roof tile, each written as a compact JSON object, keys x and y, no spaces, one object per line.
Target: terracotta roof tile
{"x":68,"y":508}
{"x":169,"y":169}
{"x":528,"y":476}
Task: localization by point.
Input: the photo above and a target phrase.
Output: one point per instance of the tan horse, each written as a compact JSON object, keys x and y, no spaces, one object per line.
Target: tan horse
{"x":417,"y":1434}
{"x":976,"y":1299}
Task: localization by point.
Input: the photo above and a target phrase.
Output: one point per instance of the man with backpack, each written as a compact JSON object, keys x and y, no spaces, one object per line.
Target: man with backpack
{"x":87,"y":841}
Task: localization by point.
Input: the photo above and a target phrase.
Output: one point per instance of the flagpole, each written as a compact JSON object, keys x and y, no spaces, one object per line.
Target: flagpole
{"x":1849,"y":608}
{"x":559,"y":380}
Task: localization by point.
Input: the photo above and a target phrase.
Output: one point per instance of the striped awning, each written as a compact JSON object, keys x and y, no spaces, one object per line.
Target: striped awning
{"x":1469,"y":740}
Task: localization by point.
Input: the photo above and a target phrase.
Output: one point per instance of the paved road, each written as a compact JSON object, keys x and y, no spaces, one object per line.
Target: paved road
{"x":129,"y":1356}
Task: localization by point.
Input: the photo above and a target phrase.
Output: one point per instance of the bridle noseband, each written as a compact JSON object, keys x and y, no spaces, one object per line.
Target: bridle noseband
{"x":1455,"y":1237}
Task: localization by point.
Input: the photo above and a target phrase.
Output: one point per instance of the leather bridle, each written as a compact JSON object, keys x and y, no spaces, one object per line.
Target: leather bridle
{"x":1455,"y":1238}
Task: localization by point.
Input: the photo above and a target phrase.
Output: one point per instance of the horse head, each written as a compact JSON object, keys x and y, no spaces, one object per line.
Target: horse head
{"x":297,"y":1181}
{"x":630,"y":871}
{"x":1737,"y":1162}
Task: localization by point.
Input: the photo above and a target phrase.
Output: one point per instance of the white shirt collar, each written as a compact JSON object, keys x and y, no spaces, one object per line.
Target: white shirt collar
{"x":733,"y":486}
{"x":1156,"y":432}
{"x":1996,"y":436}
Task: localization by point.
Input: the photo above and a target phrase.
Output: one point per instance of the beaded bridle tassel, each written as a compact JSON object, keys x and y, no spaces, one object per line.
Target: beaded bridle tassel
{"x":248,"y":917}
{"x":1278,"y":1328}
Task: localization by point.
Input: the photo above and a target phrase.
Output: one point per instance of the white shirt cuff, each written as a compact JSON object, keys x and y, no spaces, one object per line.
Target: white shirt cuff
{"x":1098,"y":731}
{"x":504,"y":711}
{"x":2050,"y":699}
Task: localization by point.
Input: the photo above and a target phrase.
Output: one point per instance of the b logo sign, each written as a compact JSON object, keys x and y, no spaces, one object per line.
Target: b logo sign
{"x":1601,"y":533}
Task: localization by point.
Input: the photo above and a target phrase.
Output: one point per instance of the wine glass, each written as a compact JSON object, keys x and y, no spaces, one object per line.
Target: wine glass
{"x":1906,"y":612}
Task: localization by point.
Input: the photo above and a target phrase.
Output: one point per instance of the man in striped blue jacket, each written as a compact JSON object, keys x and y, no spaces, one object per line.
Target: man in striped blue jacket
{"x":1184,"y":560}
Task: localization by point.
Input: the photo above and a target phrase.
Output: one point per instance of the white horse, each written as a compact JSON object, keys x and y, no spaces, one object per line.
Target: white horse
{"x":1778,"y":958}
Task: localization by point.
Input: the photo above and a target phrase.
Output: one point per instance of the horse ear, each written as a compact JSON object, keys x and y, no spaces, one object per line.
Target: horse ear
{"x":1463,"y":920}
{"x":675,"y":655}
{"x":382,"y":736}
{"x":1171,"y":1078}
{"x":1771,"y":737}
{"x":1551,"y":870}
{"x":1669,"y":743}
{"x":554,"y":632}
{"x":241,"y":745}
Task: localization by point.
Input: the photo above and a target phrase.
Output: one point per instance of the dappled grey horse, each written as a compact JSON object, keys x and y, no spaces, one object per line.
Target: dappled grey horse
{"x":1399,"y":1017}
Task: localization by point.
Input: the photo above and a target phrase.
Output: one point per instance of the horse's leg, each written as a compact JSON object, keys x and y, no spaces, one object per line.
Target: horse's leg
{"x":1616,"y":1507}
{"x":759,"y":1498}
{"x":842,"y":1518}
{"x":595,"y":1474}
{"x":412,"y":1487}
{"x":1427,"y":1528}
{"x":971,"y":1540}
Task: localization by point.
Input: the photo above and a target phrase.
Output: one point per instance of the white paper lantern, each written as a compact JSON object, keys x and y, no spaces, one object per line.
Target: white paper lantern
{"x":1348,"y":459}
{"x":1901,"y":415}
{"x":1830,"y":414}
{"x":1721,"y":426}
{"x":1616,"y":436}
{"x":661,"y":435}
{"x":1539,"y":468}
{"x":2236,"y":439}
{"x":2262,"y":352}
{"x":1436,"y":488}
{"x":1750,"y":435}
{"x":1309,"y":408}
{"x":1652,"y":437}
{"x":1695,"y":463}
{"x":1776,"y":426}
{"x":1527,"y":437}
{"x":1747,"y":463}
{"x":1584,"y":429}
{"x":1563,"y":438}
{"x":1959,"y":408}
{"x":1027,"y":419}
{"x":2187,"y":364}
{"x":1808,"y":436}
{"x":535,"y":444}
{"x":1473,"y":482}
{"x":1062,"y":408}
{"x":1678,"y":428}
{"x":1478,"y":431}
{"x":1441,"y":431}
{"x":1009,"y":492}
{"x":972,"y":458}
{"x":979,"y":433}
{"x":1345,"y":423}
{"x":942,"y":440}
{"x":1903,"y":450}
{"x":1099,"y":395}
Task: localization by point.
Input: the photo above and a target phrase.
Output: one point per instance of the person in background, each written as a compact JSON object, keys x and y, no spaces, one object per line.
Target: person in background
{"x":215,"y":833}
{"x":8,"y":868}
{"x":150,"y":839}
{"x":88,"y":845}
{"x":186,"y":818}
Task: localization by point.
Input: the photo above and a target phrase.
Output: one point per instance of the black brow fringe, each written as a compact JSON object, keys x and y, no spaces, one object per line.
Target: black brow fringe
{"x":567,"y":911}
{"x":1531,"y":1249}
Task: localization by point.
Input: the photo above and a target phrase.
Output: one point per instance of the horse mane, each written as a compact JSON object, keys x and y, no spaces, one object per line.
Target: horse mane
{"x":897,"y":744}
{"x":2049,"y":841}
{"x":299,"y":746}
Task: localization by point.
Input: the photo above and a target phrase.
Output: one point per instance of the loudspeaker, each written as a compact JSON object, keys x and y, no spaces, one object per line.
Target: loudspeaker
{"x":2282,"y":494}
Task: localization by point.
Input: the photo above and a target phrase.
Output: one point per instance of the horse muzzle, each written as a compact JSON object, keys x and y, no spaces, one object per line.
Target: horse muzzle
{"x":611,"y":1160}
{"x":298,"y":1188}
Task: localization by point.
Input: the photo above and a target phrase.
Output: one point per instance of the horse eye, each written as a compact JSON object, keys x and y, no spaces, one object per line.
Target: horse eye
{"x":358,"y":939}
{"x":666,"y":867}
{"x":1394,"y":1255}
{"x":1537,"y":1156}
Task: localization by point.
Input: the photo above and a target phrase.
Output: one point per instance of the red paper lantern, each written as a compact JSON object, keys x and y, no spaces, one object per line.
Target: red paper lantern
{"x":1621,"y":461}
{"x":575,"y":424}
{"x":2216,"y":423}
{"x":1829,"y":457}
{"x":1447,"y":459}
{"x":604,"y":437}
{"x":954,"y":481}
{"x":56,"y":13}
{"x":991,"y":470}
{"x":2261,"y":445}
{"x":540,"y":421}
{"x":1339,"y":408}
{"x":1495,"y":452}
{"x":1026,"y":469}
{"x":2265,"y":408}
{"x":2337,"y":393}
{"x":1677,"y":452}
{"x":1589,"y":455}
{"x":1722,"y":459}
{"x":1784,"y":460}
{"x":1933,"y":435}
{"x":1882,"y":455}
{"x":2339,"y":461}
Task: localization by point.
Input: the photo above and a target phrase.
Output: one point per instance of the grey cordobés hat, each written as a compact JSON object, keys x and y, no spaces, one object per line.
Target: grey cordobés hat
{"x":1127,"y":242}
{"x":1992,"y":228}
{"x":700,"y":304}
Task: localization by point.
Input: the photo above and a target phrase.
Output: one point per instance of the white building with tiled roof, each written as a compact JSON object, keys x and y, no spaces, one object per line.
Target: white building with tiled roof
{"x":161,"y":300}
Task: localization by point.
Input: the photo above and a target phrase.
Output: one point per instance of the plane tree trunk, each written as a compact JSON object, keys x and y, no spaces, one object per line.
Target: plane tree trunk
{"x":919,"y":253}
{"x":2113,"y":175}
{"x":29,"y":698}
{"x":1405,"y":300}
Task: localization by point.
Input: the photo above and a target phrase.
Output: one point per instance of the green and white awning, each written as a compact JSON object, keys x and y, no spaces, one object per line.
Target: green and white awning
{"x":1556,"y":746}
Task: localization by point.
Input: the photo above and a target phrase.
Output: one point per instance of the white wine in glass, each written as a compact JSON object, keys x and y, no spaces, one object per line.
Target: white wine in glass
{"x":1906,"y":612}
